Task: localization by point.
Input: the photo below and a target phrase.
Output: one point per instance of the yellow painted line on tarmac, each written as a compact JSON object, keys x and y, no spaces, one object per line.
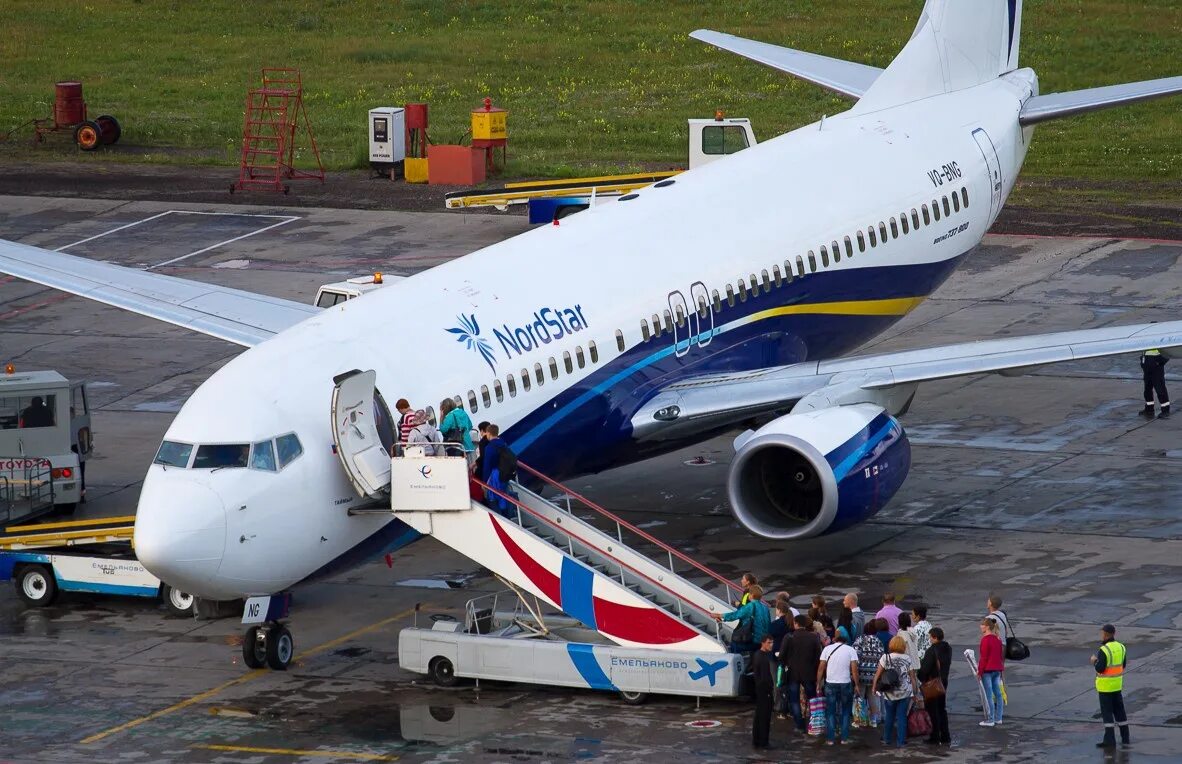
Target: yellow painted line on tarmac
{"x":255,"y":674}
{"x":296,"y":752}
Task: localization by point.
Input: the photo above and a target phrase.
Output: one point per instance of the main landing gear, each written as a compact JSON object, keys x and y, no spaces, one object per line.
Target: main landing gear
{"x":268,"y":642}
{"x":270,"y":645}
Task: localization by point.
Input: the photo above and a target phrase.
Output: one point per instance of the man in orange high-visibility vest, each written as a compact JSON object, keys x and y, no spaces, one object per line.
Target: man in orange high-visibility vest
{"x":1109,"y":663}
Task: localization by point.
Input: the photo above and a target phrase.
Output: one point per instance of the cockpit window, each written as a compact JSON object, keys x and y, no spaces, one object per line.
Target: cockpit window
{"x":221,"y":455}
{"x":173,"y":454}
{"x":289,"y":448}
{"x":262,"y":456}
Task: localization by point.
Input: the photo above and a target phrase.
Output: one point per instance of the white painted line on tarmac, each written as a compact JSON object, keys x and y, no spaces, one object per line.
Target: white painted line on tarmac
{"x":203,"y":250}
{"x":113,"y":230}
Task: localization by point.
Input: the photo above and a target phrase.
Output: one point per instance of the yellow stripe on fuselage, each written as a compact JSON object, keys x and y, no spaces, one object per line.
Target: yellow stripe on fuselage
{"x":895,"y":306}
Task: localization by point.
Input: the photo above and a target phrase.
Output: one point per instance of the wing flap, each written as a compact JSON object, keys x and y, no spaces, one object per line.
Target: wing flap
{"x":844,"y":77}
{"x":234,"y":315}
{"x":1058,"y":105}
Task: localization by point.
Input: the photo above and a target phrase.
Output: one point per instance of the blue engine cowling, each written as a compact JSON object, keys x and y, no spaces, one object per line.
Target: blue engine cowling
{"x":817,"y":472}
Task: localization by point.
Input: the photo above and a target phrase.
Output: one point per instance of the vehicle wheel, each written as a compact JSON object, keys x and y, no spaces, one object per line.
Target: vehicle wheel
{"x":443,"y":673}
{"x":254,"y":649}
{"x":65,"y":509}
{"x":88,"y":135}
{"x":36,"y":586}
{"x":179,"y":603}
{"x":110,"y":127}
{"x":280,"y":648}
{"x":633,"y":698}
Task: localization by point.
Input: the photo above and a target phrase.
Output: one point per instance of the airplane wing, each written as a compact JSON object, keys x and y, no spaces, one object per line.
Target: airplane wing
{"x":720,"y":400}
{"x":241,"y":317}
{"x":844,"y":77}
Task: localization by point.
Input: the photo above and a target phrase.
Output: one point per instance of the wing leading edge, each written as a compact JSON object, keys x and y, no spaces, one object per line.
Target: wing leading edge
{"x":727,"y":399}
{"x":234,"y":315}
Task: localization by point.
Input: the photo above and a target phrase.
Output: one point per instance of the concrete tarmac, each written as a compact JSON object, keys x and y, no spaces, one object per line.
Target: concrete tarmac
{"x":1045,"y":487}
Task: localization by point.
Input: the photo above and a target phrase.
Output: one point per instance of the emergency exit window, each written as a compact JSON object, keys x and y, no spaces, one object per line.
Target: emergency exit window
{"x":723,"y":139}
{"x":27,"y":411}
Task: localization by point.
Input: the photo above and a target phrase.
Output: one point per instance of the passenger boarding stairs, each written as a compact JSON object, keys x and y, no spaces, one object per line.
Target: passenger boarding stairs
{"x":544,"y":548}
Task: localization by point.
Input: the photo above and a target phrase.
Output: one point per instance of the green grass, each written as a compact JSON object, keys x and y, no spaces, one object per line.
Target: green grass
{"x":590,"y":86}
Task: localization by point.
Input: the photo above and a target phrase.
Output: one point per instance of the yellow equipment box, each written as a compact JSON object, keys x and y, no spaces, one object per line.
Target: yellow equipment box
{"x":489,"y":123}
{"x":415,"y":170}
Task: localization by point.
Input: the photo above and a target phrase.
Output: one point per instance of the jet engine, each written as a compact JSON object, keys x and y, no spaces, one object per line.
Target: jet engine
{"x":817,"y":472}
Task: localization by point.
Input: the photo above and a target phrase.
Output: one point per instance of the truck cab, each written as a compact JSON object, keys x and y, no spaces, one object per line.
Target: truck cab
{"x":712,"y":139}
{"x":340,"y":291}
{"x":45,"y":439}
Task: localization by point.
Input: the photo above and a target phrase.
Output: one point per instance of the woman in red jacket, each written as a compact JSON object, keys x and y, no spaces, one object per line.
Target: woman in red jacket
{"x":989,"y":670}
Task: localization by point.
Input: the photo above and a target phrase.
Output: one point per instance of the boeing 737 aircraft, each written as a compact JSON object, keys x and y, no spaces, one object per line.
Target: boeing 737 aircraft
{"x":727,"y":294}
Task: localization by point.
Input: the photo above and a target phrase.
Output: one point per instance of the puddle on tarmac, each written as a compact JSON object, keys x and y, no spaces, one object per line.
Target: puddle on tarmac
{"x":431,"y":583}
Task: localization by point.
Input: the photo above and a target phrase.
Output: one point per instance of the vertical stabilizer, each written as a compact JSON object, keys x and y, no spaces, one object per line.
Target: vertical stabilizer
{"x":956,"y":44}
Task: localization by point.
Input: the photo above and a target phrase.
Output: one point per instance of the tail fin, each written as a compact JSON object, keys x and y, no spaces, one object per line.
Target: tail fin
{"x":956,"y":44}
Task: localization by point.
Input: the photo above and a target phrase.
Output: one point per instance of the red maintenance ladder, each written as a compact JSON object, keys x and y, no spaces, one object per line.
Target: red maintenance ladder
{"x":275,"y":113}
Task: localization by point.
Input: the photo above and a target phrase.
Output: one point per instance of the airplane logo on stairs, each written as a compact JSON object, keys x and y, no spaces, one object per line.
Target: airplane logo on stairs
{"x":707,"y":670}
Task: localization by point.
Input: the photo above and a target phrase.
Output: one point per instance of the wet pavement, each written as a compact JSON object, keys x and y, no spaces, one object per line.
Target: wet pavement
{"x":1045,"y":487}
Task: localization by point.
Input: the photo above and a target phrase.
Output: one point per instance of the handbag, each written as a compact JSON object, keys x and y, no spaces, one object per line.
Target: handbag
{"x":817,"y":715}
{"x":861,"y":713}
{"x":742,"y":633}
{"x":919,"y":722}
{"x":1016,"y":649}
{"x":934,"y":687}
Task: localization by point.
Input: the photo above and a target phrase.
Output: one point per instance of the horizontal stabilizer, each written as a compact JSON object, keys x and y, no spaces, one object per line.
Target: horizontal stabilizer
{"x":1056,"y":105}
{"x":844,"y":77}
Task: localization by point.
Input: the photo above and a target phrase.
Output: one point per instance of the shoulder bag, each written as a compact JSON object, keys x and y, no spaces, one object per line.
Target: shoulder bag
{"x":934,"y":687}
{"x":1016,"y":649}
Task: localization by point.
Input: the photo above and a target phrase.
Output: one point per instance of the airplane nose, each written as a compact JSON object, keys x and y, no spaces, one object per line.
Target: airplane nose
{"x":180,"y":532}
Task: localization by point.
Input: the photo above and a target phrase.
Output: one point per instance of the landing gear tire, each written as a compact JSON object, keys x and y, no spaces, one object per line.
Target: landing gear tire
{"x":36,"y":586}
{"x":280,"y":647}
{"x":633,"y":698}
{"x":443,"y":673}
{"x":254,"y":647}
{"x":178,"y":602}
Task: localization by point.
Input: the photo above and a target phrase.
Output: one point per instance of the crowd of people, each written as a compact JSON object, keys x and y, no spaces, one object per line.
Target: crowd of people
{"x":887,"y":670}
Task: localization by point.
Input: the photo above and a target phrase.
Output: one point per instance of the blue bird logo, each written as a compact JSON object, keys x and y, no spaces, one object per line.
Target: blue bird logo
{"x":468,"y":332}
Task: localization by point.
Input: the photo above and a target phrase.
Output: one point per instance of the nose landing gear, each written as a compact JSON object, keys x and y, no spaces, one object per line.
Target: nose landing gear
{"x":270,"y":645}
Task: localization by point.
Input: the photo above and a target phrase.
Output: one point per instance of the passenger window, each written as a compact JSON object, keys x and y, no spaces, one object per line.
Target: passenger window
{"x":221,"y":455}
{"x":539,"y":374}
{"x":511,"y":381}
{"x":579,"y":357}
{"x":717,"y":301}
{"x":914,"y":219}
{"x":484,"y":396}
{"x":498,"y":390}
{"x":656,"y":329}
{"x":903,"y":222}
{"x":730,"y":295}
{"x":836,"y":252}
{"x":567,"y":362}
{"x":895,"y":228}
{"x":472,"y":401}
{"x":849,"y":247}
{"x":882,"y":234}
{"x":947,"y":209}
{"x":766,"y":280}
{"x":800,"y":264}
{"x":964,"y":197}
{"x":861,"y":242}
{"x":644,"y":335}
{"x":873,"y":238}
{"x":703,"y":308}
{"x":824,"y":257}
{"x":754,"y":285}
{"x":955,"y":202}
{"x":680,"y":315}
{"x":668,"y":322}
{"x":788,"y":270}
{"x":262,"y":456}
{"x":776,"y":278}
{"x":553,"y":368}
{"x":288,"y":447}
{"x":593,"y":351}
{"x":620,"y":336}
{"x":812,"y":262}
{"x":935,"y":209}
{"x":742,"y":291}
{"x":927,"y":219}
{"x":723,"y":139}
{"x":525,"y":380}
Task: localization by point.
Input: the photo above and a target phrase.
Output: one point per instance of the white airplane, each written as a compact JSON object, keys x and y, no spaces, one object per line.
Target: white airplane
{"x":727,"y":294}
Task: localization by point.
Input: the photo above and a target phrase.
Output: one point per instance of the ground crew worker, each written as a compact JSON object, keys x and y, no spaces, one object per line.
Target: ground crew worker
{"x":1109,"y":662}
{"x":1153,"y":369}
{"x":763,"y":668}
{"x":747,"y":581}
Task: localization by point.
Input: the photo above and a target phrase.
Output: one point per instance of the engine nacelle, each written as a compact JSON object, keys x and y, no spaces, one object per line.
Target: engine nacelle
{"x":817,"y":472}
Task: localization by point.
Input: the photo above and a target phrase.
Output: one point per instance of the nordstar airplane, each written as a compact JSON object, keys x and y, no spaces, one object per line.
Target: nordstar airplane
{"x":726,"y":294}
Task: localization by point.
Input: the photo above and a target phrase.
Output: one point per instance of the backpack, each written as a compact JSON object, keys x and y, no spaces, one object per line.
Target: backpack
{"x":890,"y":681}
{"x":507,"y":464}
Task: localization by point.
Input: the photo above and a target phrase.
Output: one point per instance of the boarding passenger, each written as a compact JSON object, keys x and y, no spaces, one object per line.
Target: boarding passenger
{"x":456,"y":427}
{"x":763,"y":674}
{"x":845,"y":617}
{"x":838,"y":669}
{"x":870,"y":649}
{"x":910,"y":637}
{"x":990,"y":666}
{"x":754,"y":622}
{"x":922,"y":628}
{"x":497,"y":457}
{"x":822,"y":625}
{"x":1109,"y":663}
{"x":423,"y":433}
{"x":36,"y":414}
{"x":890,"y":612}
{"x":884,"y":634}
{"x":1153,"y":370}
{"x":781,"y":623}
{"x":793,"y":611}
{"x":936,"y":662}
{"x":404,"y":416}
{"x":896,"y":681}
{"x":804,"y":656}
{"x":851,"y":601}
{"x":481,"y":443}
{"x":747,"y":581}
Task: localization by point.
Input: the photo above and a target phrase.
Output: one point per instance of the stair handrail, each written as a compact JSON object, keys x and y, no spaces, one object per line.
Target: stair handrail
{"x":729,"y":585}
{"x":567,"y":532}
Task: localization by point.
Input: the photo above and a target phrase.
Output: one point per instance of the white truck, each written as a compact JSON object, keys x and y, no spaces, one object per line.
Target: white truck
{"x":340,"y":291}
{"x":45,"y":439}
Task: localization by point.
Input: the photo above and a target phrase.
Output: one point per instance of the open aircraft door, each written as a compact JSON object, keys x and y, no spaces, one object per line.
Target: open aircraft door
{"x":363,"y":432}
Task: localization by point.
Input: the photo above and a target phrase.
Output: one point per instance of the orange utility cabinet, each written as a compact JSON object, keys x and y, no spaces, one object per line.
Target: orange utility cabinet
{"x":455,"y":165}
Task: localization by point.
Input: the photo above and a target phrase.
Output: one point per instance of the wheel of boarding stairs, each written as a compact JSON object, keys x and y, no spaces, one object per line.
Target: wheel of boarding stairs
{"x":36,"y":586}
{"x":442,"y":672}
{"x":254,"y":648}
{"x":178,"y":602}
{"x":280,"y":648}
{"x":633,"y":698}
